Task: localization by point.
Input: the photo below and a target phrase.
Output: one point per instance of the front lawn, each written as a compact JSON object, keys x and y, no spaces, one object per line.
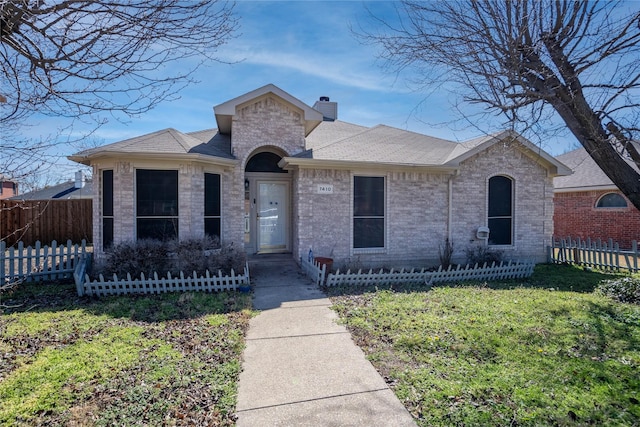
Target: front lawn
{"x":545,"y":351}
{"x":171,"y":359}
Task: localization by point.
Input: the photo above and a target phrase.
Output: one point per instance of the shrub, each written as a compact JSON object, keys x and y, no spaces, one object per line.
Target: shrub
{"x":625,"y":289}
{"x":191,"y":254}
{"x":482,"y":254}
{"x":144,"y":256}
{"x":149,"y":256}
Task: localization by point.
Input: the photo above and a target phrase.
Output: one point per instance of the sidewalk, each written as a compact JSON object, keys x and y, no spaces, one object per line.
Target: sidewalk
{"x":300,"y":368}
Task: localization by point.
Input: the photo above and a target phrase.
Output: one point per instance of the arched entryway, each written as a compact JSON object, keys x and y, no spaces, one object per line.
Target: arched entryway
{"x":267,"y":199}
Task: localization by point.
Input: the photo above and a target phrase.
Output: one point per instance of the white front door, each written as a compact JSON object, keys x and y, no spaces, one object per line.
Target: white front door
{"x":273,"y":216}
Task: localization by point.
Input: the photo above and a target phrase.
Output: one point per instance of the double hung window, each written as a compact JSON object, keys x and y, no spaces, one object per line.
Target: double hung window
{"x":212,"y":204}
{"x":500,"y":218}
{"x":157,"y":204}
{"x":107,"y":209}
{"x":368,"y":212}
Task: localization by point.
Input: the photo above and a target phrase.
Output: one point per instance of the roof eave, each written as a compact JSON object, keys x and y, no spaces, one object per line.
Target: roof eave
{"x":293,"y":163}
{"x":610,"y":187}
{"x":88,"y":159}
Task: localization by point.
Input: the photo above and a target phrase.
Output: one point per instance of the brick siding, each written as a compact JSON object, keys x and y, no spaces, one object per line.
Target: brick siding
{"x":417,"y":211}
{"x":417,"y":207}
{"x":576,"y":216}
{"x":533,"y":201}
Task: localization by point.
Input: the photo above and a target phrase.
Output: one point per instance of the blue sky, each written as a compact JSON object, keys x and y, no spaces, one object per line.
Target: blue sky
{"x":306,"y":48}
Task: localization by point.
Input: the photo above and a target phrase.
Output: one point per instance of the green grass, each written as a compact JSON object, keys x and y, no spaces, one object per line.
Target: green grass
{"x":163,"y":359}
{"x":546,"y":351}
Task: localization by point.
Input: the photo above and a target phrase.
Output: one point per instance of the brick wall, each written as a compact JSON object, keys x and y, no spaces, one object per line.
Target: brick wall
{"x":417,"y":211}
{"x":190,"y":197}
{"x":8,"y":189}
{"x":265,"y":123}
{"x":576,"y":216}
{"x":533,"y":201}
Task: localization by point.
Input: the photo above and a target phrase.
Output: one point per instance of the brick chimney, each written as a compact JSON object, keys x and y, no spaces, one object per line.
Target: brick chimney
{"x":79,"y":180}
{"x":328,"y":109}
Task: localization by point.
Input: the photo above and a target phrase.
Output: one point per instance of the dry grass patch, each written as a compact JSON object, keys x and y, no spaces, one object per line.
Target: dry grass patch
{"x":170,"y":359}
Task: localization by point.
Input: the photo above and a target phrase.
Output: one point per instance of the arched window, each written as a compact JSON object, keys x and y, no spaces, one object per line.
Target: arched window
{"x":611,"y":200}
{"x":264,"y":162}
{"x":500,"y":212}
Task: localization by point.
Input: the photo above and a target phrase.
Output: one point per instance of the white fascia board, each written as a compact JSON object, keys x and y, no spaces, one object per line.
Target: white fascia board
{"x":203,"y":158}
{"x":292,"y":163}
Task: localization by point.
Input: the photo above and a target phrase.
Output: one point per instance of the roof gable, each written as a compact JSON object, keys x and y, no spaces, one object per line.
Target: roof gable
{"x":477,"y":145}
{"x":224,"y":112}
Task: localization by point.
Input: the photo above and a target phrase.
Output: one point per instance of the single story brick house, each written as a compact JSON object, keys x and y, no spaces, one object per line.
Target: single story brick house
{"x":588,"y":205}
{"x":279,"y":176}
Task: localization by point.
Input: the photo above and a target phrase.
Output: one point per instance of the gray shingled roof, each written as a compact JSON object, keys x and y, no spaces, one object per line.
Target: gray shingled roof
{"x":586,"y":173}
{"x":169,"y":141}
{"x":66,"y":190}
{"x":331,"y":131}
{"x":213,"y":143}
{"x":384,"y":144}
{"x":332,"y":141}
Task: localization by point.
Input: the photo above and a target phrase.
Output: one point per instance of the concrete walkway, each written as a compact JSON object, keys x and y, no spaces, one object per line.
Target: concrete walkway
{"x":300,"y":368}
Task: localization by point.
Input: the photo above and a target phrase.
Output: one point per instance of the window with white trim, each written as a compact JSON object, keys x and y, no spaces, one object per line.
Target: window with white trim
{"x":611,"y":200}
{"x":368,"y":212}
{"x":500,"y":212}
{"x":107,"y":209}
{"x":157,"y":204}
{"x":212,"y":205}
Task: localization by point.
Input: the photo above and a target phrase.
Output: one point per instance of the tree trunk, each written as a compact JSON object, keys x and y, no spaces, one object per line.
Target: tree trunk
{"x":587,"y":128}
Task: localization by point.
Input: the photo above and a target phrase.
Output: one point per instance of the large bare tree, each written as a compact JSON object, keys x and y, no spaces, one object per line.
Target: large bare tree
{"x":579,"y":60}
{"x":90,"y":59}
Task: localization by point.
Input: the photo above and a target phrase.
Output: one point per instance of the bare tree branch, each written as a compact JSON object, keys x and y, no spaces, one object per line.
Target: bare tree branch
{"x":523,"y":58}
{"x":80,"y":59}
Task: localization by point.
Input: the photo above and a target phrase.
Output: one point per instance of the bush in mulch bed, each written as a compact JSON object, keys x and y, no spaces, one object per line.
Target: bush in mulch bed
{"x":153,"y":256}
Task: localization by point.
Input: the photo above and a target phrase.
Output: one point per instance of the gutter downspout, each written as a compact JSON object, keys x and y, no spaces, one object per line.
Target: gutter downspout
{"x":450,"y":205}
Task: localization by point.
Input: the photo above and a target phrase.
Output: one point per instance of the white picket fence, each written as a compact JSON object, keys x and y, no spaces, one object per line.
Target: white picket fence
{"x":314,"y":270}
{"x":38,"y":262}
{"x":605,"y":255}
{"x":501,"y":271}
{"x":157,"y":285}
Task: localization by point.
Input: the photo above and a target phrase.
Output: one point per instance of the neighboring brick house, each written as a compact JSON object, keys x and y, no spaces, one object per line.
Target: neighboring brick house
{"x":588,"y":204}
{"x":280,"y":176}
{"x":8,"y":187}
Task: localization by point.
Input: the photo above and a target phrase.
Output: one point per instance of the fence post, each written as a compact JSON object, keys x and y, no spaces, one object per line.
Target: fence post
{"x":3,"y":248}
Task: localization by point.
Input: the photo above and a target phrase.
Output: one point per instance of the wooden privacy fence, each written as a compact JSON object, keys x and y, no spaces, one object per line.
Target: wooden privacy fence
{"x":605,"y":255}
{"x":157,"y":285}
{"x":29,"y":221}
{"x":501,"y":271}
{"x":38,"y":263}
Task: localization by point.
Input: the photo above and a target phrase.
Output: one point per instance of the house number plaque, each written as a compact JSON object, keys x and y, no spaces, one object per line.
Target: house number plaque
{"x":325,"y":189}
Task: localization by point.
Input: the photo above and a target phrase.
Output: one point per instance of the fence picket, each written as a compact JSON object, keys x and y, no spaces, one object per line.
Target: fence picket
{"x":39,"y":262}
{"x":605,"y":255}
{"x":157,"y":285}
